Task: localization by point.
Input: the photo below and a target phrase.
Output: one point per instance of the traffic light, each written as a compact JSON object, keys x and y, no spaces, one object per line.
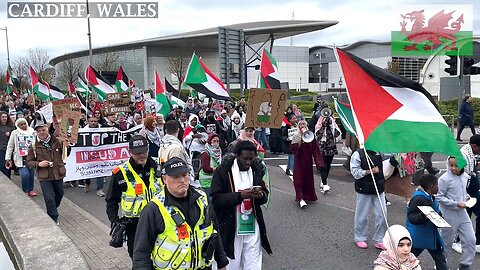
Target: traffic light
{"x":468,"y":68}
{"x":452,"y":62}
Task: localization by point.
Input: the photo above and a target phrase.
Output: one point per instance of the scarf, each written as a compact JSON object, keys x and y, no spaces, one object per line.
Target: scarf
{"x":388,"y":258}
{"x":46,"y":142}
{"x":237,"y":128}
{"x":153,"y":136}
{"x":20,"y":131}
{"x":388,"y":262}
{"x":236,"y":175}
{"x":214,"y":152}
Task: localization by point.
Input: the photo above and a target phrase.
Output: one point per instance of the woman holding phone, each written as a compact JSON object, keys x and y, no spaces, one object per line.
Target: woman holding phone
{"x":304,"y":152}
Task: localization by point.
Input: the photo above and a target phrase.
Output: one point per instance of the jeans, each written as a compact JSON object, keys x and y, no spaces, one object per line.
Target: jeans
{"x":3,"y":169}
{"x":27,"y":176}
{"x":362,"y":211}
{"x":100,"y":182}
{"x":290,"y":162}
{"x":263,"y":139}
{"x":52,"y":194}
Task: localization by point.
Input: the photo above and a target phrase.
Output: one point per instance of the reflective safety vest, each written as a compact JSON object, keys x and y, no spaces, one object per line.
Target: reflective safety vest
{"x":137,"y":195}
{"x":206,"y":178}
{"x":180,"y":247}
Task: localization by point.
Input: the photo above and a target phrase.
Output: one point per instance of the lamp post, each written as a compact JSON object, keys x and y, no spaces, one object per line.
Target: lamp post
{"x":319,"y":55}
{"x":340,"y":82}
{"x":6,"y":37}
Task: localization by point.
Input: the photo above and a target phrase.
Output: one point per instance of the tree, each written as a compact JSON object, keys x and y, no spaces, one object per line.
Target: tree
{"x":68,"y":71}
{"x":178,"y":64}
{"x":38,"y":60}
{"x":393,"y":66}
{"x":106,"y":61}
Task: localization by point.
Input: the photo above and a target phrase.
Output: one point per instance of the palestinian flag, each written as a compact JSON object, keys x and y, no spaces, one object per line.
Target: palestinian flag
{"x":39,"y":87}
{"x":122,"y":82}
{"x":201,"y":79}
{"x":393,"y":114}
{"x":82,"y":87}
{"x":175,"y":93}
{"x":177,"y":101}
{"x":163,"y":106}
{"x":11,"y":82}
{"x":55,"y":92}
{"x":100,"y":85}
{"x":345,"y":113}
{"x":71,"y":89}
{"x":269,"y":76}
{"x":131,"y":83}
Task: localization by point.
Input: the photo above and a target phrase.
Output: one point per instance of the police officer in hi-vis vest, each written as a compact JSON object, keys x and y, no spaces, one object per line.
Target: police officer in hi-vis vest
{"x":133,"y":185}
{"x":177,"y":229}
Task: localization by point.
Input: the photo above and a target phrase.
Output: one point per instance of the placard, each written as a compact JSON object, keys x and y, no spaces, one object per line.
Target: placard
{"x":118,"y":102}
{"x":266,"y":108}
{"x":434,"y":217}
{"x":69,"y":126}
{"x":218,"y":105}
{"x":66,"y":104}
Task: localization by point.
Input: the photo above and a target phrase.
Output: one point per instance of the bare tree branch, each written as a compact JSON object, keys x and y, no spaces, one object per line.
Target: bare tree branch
{"x":178,"y":64}
{"x":68,"y":72}
{"x":106,"y":61}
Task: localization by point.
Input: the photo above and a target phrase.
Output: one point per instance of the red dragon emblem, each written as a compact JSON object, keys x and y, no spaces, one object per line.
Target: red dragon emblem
{"x":437,"y":32}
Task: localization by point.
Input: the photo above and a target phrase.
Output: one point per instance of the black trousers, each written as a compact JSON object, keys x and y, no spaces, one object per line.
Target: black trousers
{"x":462,"y":125}
{"x":52,"y":194}
{"x":327,"y":160}
{"x":130,"y":232}
{"x":3,"y":169}
{"x":437,"y":256}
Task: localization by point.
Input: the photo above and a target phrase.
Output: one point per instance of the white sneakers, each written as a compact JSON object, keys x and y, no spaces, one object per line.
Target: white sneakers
{"x":302,"y":203}
{"x":477,"y":248}
{"x":457,"y":247}
{"x":326,"y":188}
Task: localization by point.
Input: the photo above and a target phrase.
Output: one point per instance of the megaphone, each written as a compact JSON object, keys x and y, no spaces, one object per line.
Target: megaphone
{"x":326,"y":112}
{"x":308,"y":136}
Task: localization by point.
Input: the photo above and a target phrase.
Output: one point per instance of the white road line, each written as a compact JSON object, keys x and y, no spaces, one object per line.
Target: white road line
{"x":284,"y":168}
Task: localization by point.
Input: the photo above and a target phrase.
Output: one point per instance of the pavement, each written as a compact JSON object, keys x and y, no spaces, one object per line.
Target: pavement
{"x":319,"y":236}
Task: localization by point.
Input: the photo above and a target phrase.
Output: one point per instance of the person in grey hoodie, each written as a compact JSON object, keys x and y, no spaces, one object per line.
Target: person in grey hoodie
{"x":452,"y":195}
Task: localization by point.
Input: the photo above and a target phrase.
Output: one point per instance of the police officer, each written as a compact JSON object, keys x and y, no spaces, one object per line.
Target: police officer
{"x":177,"y":229}
{"x":133,"y":185}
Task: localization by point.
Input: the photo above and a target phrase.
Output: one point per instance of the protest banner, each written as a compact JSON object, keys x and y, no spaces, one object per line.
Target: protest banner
{"x":266,"y":108}
{"x":97,"y":152}
{"x":66,"y":104}
{"x":118,"y":102}
{"x":69,"y":126}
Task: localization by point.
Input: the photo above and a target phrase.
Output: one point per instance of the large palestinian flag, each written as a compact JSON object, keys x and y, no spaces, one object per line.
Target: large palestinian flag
{"x":345,"y":114}
{"x":201,"y":79}
{"x":99,"y":84}
{"x":163,"y":106}
{"x":122,"y":81}
{"x":269,"y":76}
{"x":175,"y":93}
{"x":55,"y":92}
{"x":39,"y":87}
{"x":393,"y":114}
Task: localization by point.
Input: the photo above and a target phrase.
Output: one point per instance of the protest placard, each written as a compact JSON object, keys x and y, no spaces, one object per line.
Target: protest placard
{"x":266,"y":108}
{"x":218,"y":105}
{"x":69,"y":126}
{"x":118,"y":102}
{"x":66,"y":104}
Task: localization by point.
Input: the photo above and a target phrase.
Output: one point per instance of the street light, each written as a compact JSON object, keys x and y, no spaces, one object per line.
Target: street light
{"x":8,"y":52}
{"x":340,"y":82}
{"x":319,"y":55}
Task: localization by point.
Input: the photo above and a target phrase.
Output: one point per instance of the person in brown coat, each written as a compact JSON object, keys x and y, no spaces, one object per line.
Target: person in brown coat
{"x":46,"y":157}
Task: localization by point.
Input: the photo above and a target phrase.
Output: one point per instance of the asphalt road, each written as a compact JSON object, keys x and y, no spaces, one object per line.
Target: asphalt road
{"x":320,"y":236}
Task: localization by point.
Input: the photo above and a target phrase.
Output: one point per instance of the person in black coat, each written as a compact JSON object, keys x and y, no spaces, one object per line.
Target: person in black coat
{"x":232,"y":195}
{"x":465,"y":117}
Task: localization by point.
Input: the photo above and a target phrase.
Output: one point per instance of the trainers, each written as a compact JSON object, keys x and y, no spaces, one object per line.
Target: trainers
{"x":379,"y":245}
{"x":361,"y":244}
{"x":32,"y":193}
{"x":87,"y":188}
{"x":326,"y":188}
{"x":457,"y":247}
{"x":477,"y":248}
{"x":302,"y":203}
{"x":81,"y":185}
{"x":288,"y":172}
{"x":100,"y":193}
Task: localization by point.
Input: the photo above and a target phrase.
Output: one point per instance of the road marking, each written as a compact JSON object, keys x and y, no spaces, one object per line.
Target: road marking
{"x":284,"y":168}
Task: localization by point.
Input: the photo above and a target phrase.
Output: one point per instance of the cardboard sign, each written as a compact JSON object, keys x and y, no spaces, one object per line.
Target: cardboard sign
{"x":266,"y":108}
{"x":118,"y":102}
{"x":69,"y":126}
{"x":66,"y":104}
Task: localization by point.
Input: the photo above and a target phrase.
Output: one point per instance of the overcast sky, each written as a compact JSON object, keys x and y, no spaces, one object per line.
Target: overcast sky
{"x":358,"y":20}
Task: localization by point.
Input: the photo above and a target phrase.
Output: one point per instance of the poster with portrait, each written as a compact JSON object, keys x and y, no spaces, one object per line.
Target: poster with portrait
{"x":24,"y":143}
{"x":266,"y":108}
{"x":69,"y":126}
{"x":218,"y":105}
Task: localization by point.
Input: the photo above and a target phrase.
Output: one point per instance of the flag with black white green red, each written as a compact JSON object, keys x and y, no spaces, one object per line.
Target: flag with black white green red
{"x":122,"y":82}
{"x":175,"y":93}
{"x":201,"y":79}
{"x":345,"y":114}
{"x":163,"y":106}
{"x":11,"y":82}
{"x":81,"y":87}
{"x":393,"y":114}
{"x":55,"y":92}
{"x":269,"y":76}
{"x":39,"y":87}
{"x":99,"y":85}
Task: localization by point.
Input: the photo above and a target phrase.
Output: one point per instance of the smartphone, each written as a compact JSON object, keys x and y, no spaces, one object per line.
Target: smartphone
{"x":256,"y":189}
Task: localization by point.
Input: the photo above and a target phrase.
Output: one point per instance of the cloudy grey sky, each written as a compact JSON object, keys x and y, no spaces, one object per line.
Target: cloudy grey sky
{"x":358,"y":20}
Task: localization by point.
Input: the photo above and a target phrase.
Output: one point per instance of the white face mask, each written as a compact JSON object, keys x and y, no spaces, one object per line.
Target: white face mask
{"x":215,"y":145}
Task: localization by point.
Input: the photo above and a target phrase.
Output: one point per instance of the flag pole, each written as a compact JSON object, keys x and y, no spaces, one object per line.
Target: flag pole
{"x":90,"y":53}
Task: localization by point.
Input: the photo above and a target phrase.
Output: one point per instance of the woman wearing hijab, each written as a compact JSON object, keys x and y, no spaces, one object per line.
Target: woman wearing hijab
{"x":6,"y":128}
{"x":303,"y":180}
{"x":398,"y":255}
{"x":235,"y":127}
{"x":151,"y":134}
{"x":194,"y":137}
{"x":122,"y":122}
{"x":19,"y":143}
{"x":326,"y":131}
{"x":210,"y":159}
{"x":160,"y":125}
